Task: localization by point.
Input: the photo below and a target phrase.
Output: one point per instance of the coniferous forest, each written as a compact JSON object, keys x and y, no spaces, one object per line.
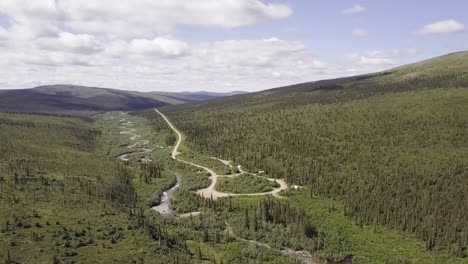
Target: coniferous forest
{"x":65,"y":198}
{"x":394,"y":148}
{"x":376,"y":167}
{"x":233,"y":132}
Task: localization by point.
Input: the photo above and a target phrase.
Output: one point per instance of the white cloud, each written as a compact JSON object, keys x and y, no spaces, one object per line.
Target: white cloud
{"x":3,"y":33}
{"x":78,"y":43}
{"x":371,"y":59}
{"x":130,"y":44}
{"x":251,"y":53}
{"x":360,"y":33}
{"x":138,"y":18}
{"x":166,"y":64}
{"x":442,"y":27}
{"x":356,"y":9}
{"x":244,"y":63}
{"x":30,"y":30}
{"x":160,"y":47}
{"x":379,"y":59}
{"x":26,"y":10}
{"x":31,"y":19}
{"x":51,"y":59}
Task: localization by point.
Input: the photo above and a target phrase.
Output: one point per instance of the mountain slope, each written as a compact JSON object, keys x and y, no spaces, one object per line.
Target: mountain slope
{"x":445,"y":71}
{"x":71,"y":98}
{"x":199,"y":96}
{"x":392,"y":145}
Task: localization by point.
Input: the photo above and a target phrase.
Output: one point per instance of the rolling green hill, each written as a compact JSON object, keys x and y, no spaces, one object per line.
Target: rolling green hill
{"x":393,"y":146}
{"x":57,"y":198}
{"x":381,"y":159}
{"x":446,"y":71}
{"x":65,"y":198}
{"x":80,"y":99}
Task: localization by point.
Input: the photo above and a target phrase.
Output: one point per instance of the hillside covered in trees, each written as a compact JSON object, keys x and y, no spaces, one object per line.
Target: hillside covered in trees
{"x":65,"y":198}
{"x":392,"y":145}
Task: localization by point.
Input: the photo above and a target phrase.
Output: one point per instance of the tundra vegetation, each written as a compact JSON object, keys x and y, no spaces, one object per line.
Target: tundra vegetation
{"x":381,"y":161}
{"x":391,"y":147}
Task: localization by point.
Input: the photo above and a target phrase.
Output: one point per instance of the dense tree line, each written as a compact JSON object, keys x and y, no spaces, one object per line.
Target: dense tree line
{"x":284,"y":226}
{"x":245,"y":183}
{"x":396,"y":159}
{"x":149,"y":171}
{"x":60,"y":192}
{"x":281,"y":212}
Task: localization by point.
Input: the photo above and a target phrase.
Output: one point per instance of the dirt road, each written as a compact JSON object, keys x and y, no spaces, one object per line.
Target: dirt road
{"x":210,"y":191}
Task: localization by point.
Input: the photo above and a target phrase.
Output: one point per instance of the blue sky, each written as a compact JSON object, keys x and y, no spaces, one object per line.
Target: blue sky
{"x":218,"y":45}
{"x":322,"y":27}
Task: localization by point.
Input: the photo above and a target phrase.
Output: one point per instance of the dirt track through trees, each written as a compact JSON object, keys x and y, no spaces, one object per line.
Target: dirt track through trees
{"x":210,"y":191}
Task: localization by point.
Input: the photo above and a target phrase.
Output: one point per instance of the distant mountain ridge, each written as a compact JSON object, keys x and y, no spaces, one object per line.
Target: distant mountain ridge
{"x":62,"y":98}
{"x":444,"y":71}
{"x":450,"y":70}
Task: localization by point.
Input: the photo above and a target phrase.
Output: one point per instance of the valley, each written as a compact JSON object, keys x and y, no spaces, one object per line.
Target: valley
{"x":308,"y":174}
{"x":233,"y":132}
{"x":333,"y":147}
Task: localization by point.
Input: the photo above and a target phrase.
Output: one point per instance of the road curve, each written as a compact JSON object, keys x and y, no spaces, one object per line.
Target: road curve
{"x":210,"y":191}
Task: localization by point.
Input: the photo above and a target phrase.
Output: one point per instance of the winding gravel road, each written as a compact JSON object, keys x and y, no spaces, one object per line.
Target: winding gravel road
{"x":210,"y":191}
{"x":164,"y":207}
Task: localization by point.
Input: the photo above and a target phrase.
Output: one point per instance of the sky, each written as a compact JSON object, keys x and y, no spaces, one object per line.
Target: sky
{"x":218,"y":45}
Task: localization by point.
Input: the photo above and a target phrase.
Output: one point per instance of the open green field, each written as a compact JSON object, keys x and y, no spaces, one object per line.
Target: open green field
{"x":245,"y":183}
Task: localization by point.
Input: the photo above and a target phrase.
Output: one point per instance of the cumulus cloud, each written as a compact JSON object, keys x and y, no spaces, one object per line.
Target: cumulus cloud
{"x":49,"y":59}
{"x":133,"y":45}
{"x":356,"y":9}
{"x":79,"y":42}
{"x":162,"y":16}
{"x":3,"y":33}
{"x":130,"y":44}
{"x":359,"y":33}
{"x":442,"y":27}
{"x":250,"y":53}
{"x":157,"y":47}
{"x":138,"y":18}
{"x":31,"y":19}
{"x":379,"y":58}
{"x":165,"y":63}
{"x":65,"y":41}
